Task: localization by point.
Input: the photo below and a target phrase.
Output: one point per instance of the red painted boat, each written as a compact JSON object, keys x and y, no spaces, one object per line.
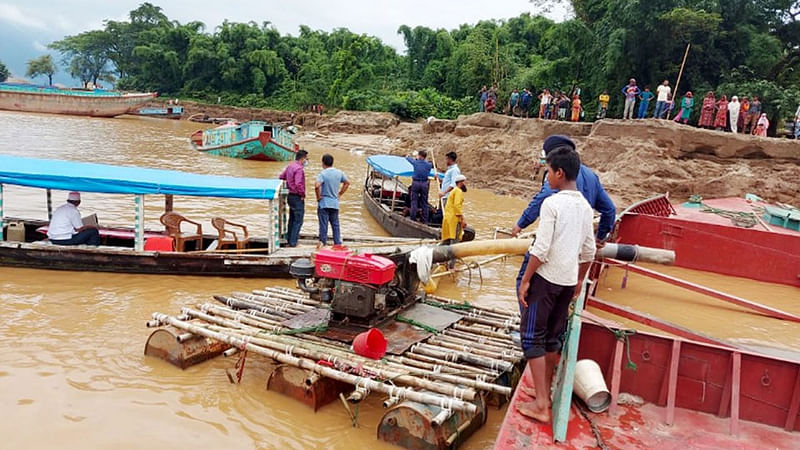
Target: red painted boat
{"x":686,"y":381}
{"x":713,"y":243}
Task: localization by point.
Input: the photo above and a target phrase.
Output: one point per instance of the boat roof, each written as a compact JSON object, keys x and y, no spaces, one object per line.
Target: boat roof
{"x":393,"y":166}
{"x":108,"y":179}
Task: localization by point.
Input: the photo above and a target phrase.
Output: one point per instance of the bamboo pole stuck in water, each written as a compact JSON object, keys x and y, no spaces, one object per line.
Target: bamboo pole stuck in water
{"x":358,"y":381}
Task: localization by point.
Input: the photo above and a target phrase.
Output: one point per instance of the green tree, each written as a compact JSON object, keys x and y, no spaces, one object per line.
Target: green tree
{"x":86,"y":55}
{"x":3,"y":72}
{"x":42,"y":65}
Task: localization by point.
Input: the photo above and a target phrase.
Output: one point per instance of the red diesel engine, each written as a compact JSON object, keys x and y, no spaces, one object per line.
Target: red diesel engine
{"x":360,"y":288}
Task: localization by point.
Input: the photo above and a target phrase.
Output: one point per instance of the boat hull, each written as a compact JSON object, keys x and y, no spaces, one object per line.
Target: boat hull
{"x":52,"y":103}
{"x":256,"y":149}
{"x":396,"y":224}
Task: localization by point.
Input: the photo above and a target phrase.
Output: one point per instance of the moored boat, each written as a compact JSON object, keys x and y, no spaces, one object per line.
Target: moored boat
{"x":80,"y":102}
{"x":387,"y":199}
{"x":254,"y":140}
{"x":677,"y":379}
{"x":167,"y":112}
{"x":136,"y":250}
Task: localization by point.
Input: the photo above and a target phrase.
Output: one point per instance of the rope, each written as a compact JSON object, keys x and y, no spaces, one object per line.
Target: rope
{"x":619,"y":334}
{"x":743,"y":219}
{"x":459,"y":306}
{"x":414,"y":323}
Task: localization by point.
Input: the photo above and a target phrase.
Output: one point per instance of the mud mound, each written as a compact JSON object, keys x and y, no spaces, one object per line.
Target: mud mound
{"x":684,"y":141}
{"x":481,"y":123}
{"x":235,"y":112}
{"x":357,"y":122}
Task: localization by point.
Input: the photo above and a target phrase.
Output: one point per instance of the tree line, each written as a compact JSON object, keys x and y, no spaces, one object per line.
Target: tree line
{"x":739,"y":47}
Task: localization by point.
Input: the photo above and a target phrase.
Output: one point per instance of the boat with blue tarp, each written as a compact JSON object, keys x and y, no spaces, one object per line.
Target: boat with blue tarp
{"x":254,"y":140}
{"x":80,"y":102}
{"x":228,"y":251}
{"x":387,"y":199}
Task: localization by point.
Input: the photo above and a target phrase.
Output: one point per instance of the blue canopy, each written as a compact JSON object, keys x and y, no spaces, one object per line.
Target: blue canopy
{"x":392,"y":166}
{"x":86,"y":177}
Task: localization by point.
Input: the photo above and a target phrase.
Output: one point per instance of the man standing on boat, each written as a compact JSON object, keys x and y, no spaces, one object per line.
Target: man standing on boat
{"x":295,"y":176}
{"x":449,"y":180}
{"x":331,"y":185}
{"x":453,"y":223}
{"x":67,"y":228}
{"x":420,"y":185}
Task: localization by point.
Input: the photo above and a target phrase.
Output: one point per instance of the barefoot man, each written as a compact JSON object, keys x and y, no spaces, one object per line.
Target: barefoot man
{"x":559,"y":258}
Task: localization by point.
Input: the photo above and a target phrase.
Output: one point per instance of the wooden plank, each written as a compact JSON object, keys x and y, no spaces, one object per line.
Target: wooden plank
{"x":794,"y":406}
{"x":744,"y":303}
{"x":673,"y":380}
{"x":725,"y":400}
{"x":565,"y":376}
{"x":616,"y":376}
{"x":736,"y":377}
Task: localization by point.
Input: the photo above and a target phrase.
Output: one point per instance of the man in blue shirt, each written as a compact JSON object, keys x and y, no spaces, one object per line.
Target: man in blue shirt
{"x":331,"y":184}
{"x":588,"y":184}
{"x":420,"y":185}
{"x":449,"y":180}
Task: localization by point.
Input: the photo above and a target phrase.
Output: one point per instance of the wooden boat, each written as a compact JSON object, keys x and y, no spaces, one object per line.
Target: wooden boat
{"x":136,"y":250}
{"x":80,"y":102}
{"x":681,"y":381}
{"x":388,"y":201}
{"x":250,"y":140}
{"x":168,"y":112}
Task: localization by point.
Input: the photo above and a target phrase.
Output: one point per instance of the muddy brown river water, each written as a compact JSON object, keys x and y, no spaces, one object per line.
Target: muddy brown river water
{"x":72,"y":370}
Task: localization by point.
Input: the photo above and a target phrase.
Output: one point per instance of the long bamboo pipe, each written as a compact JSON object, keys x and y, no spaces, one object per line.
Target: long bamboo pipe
{"x":623,"y":252}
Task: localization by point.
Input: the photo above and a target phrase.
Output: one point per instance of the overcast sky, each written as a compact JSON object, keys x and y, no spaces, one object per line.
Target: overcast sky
{"x":26,"y":27}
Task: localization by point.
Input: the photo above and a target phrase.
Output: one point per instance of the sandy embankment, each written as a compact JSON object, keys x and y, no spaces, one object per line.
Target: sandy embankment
{"x":634,"y":158}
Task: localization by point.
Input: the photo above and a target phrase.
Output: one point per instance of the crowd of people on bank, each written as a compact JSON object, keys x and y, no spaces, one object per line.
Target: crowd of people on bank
{"x":740,"y":114}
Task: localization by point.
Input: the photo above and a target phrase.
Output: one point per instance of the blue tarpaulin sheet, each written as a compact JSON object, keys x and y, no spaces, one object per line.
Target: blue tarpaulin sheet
{"x":392,"y":166}
{"x":86,"y":177}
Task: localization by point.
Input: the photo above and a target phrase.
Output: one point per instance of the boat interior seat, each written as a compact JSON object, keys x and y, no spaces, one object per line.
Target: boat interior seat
{"x":172,"y":221}
{"x":238,"y":238}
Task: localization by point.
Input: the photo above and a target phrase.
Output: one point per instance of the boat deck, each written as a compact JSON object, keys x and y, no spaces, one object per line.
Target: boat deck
{"x":695,"y":214}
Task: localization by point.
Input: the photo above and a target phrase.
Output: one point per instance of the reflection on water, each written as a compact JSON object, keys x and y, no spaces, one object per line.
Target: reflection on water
{"x":73,"y":358}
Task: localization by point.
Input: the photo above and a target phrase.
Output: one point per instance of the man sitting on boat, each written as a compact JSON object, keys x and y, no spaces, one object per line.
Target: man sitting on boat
{"x":67,"y":228}
{"x":420,"y":185}
{"x":453,"y":223}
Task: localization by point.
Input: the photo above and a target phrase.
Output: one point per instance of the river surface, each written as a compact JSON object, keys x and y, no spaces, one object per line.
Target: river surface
{"x":72,"y":369}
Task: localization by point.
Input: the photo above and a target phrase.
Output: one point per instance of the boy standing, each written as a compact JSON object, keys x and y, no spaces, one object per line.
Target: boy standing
{"x":331,"y":185}
{"x":663,"y":92}
{"x":559,"y":259}
{"x":603,"y":110}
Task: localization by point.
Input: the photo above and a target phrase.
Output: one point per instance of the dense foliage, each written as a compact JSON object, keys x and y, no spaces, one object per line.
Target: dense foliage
{"x":3,"y":72}
{"x":42,"y":65}
{"x":739,"y":46}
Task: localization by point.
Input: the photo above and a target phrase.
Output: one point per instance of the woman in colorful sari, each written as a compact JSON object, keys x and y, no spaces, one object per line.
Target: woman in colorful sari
{"x":763,"y":125}
{"x":722,"y":114}
{"x":707,"y":111}
{"x":733,"y":113}
{"x":686,"y":108}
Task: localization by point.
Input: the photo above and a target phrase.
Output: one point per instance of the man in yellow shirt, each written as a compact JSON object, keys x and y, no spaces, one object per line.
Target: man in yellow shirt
{"x":453,"y":223}
{"x":604,"y":99}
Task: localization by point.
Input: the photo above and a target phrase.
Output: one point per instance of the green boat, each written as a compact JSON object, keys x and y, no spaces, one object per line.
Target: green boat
{"x":249,"y":140}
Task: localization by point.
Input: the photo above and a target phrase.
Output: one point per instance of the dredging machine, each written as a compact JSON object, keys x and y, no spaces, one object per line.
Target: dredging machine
{"x":445,"y":361}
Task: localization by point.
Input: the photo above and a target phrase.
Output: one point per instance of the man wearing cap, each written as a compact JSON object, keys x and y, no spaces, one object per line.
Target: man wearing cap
{"x":449,"y":180}
{"x":453,"y":223}
{"x":420,"y":185}
{"x":67,"y":228}
{"x":588,"y":184}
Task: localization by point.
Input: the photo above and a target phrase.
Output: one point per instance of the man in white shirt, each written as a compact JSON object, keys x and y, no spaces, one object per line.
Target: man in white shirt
{"x":449,"y":180}
{"x":663,"y":92}
{"x":559,"y":259}
{"x":67,"y":228}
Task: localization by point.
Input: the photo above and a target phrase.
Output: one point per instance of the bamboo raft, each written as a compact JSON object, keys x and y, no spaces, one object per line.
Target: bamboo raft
{"x":435,"y":392}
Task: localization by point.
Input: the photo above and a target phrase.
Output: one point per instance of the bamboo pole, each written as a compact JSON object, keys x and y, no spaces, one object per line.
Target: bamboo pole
{"x":358,"y":381}
{"x":436,"y":179}
{"x":479,"y":338}
{"x":484,"y":346}
{"x":443,"y":362}
{"x":265,"y":312}
{"x":461,"y":356}
{"x":472,"y":350}
{"x":479,"y":330}
{"x":680,"y":74}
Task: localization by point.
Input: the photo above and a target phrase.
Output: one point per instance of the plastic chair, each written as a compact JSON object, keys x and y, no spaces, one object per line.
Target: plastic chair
{"x":223,"y":240}
{"x":172,"y":221}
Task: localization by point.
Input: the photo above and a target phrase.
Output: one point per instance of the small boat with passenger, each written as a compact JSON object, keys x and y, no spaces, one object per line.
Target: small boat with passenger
{"x":254,"y":140}
{"x":387,"y":199}
{"x":181,"y":248}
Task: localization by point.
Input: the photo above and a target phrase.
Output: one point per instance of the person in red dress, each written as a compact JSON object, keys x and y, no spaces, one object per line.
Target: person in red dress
{"x":707,"y":111}
{"x":722,"y":114}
